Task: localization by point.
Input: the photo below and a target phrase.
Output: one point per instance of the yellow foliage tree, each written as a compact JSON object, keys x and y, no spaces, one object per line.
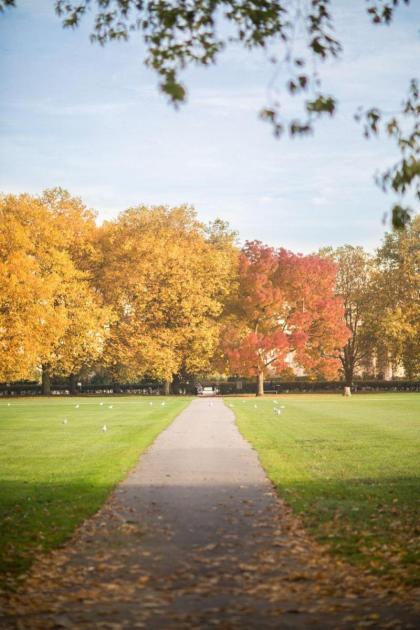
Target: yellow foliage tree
{"x":32,"y":265}
{"x":77,"y":224}
{"x":88,"y":319}
{"x":50,"y":315}
{"x":167,"y":277}
{"x":398,"y":290}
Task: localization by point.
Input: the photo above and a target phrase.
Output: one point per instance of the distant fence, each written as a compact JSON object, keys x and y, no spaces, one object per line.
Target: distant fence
{"x":62,"y":388}
{"x":284,"y":387}
{"x":238,"y":387}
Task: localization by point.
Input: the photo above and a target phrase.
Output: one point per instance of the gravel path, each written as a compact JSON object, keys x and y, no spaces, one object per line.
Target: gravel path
{"x":195,"y":537}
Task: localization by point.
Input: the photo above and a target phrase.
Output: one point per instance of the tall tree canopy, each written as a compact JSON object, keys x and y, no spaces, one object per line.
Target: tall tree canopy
{"x":356,"y":287}
{"x":32,"y":267}
{"x":50,"y":314}
{"x":285,"y":304}
{"x":166,"y":276}
{"x":398,"y":285}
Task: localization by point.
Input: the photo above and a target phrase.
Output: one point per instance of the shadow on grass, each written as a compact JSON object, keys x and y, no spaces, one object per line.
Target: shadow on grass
{"x":37,"y":517}
{"x":369,"y":522}
{"x":366,"y":521}
{"x":344,"y":493}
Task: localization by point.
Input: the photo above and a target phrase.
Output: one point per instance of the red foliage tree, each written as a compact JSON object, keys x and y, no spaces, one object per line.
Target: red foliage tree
{"x":285,"y":304}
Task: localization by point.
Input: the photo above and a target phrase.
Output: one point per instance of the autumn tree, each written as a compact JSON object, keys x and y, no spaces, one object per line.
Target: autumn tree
{"x":82,"y":343}
{"x":31,"y":268}
{"x":398,"y":284}
{"x":51,"y":317}
{"x":88,"y":319}
{"x":77,"y":223}
{"x":356,"y":287}
{"x":166,"y":276}
{"x":284,"y":305}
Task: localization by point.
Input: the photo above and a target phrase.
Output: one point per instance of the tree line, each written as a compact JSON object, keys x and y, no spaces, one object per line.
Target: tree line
{"x":156,"y":292}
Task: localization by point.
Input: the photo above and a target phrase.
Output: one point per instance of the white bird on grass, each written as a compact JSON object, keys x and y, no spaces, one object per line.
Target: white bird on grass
{"x":77,"y":406}
{"x":255,"y":406}
{"x":110,"y":407}
{"x":65,"y":421}
{"x":101,"y":403}
{"x":150,"y":403}
{"x":104,"y":428}
{"x":163,"y":404}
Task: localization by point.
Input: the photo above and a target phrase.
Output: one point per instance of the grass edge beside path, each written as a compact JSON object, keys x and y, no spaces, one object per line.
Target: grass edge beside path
{"x":349,"y":469}
{"x":58,"y":466}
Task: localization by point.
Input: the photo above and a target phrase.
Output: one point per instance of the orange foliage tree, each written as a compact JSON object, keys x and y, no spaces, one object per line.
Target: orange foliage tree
{"x":284,"y":305}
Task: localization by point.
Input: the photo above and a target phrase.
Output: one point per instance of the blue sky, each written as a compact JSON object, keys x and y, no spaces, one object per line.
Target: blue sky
{"x":91,"y":120}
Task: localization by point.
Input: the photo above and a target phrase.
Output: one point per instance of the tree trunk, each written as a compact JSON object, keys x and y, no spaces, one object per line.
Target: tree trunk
{"x":348,"y":361}
{"x":46,"y":381}
{"x":176,"y":384}
{"x":72,"y":384}
{"x":348,"y":379}
{"x":167,"y":388}
{"x":260,"y":384}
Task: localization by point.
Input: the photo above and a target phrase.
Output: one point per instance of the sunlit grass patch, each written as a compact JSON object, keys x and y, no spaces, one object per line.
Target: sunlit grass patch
{"x":57,"y":464}
{"x":350,"y":468}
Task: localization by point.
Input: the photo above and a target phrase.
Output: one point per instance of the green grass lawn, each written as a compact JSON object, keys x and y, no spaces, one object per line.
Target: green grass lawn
{"x":349,"y":467}
{"x":54,"y":474}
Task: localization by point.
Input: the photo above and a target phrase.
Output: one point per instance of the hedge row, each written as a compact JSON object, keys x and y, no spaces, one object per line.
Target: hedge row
{"x":225,"y":387}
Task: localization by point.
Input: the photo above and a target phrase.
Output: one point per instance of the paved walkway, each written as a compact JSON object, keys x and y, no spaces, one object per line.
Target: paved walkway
{"x":195,"y":537}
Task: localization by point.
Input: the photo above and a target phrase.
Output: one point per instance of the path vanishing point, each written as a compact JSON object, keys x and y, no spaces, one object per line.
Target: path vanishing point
{"x":196,"y":537}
